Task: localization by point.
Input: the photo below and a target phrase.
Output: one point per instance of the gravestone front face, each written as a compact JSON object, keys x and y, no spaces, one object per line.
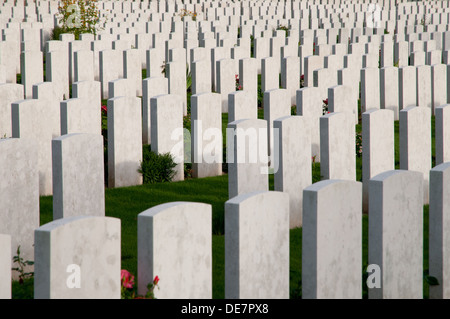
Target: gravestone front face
{"x":247,"y":156}
{"x":332,"y":240}
{"x":370,"y":89}
{"x":174,"y":243}
{"x":121,"y":87}
{"x":176,"y":73}
{"x":206,"y":123}
{"x":292,"y":156}
{"x":290,"y":76}
{"x":56,"y":65}
{"x":19,"y":195}
{"x":415,"y":143}
{"x":276,"y":104}
{"x":337,"y":146}
{"x":241,"y":105}
{"x":111,"y":68}
{"x":84,"y":118}
{"x":438,"y":86}
{"x":225,"y":81}
{"x":442,"y":135}
{"x":167,"y":129}
{"x":439,"y":230}
{"x":5,"y":267}
{"x":309,"y":105}
{"x":396,"y":233}
{"x":423,"y":89}
{"x":378,"y":153}
{"x":151,"y":87}
{"x":407,"y":87}
{"x":340,"y":99}
{"x":30,"y":120}
{"x":132,"y":70}
{"x":201,"y":76}
{"x":389,"y":90}
{"x":124,"y":141}
{"x":257,"y":237}
{"x":31,"y":70}
{"x":78,"y":176}
{"x":85,"y":268}
{"x":9,"y":93}
{"x":84,"y":65}
{"x":248,"y":78}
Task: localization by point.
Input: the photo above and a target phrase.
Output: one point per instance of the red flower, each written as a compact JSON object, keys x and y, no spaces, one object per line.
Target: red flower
{"x":325,"y":102}
{"x":302,"y":77}
{"x":156,"y":280}
{"x":127,"y":279}
{"x":104,"y":108}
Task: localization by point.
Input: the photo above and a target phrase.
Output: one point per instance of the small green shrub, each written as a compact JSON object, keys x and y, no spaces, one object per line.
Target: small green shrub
{"x":156,"y":168}
{"x":56,"y":31}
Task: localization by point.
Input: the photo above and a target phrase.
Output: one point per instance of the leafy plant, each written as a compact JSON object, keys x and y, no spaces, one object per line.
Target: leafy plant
{"x":56,"y":32}
{"x":430,"y":280}
{"x":163,"y":68}
{"x":128,"y":287}
{"x":156,"y":168}
{"x":293,"y":110}
{"x":187,"y":122}
{"x":325,"y":107}
{"x":79,"y":16}
{"x":188,"y":78}
{"x":237,"y":86}
{"x":358,"y":145}
{"x":186,"y":13}
{"x":21,"y":264}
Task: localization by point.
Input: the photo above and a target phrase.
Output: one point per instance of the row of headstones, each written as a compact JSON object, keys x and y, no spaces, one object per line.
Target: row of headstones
{"x":31,"y":32}
{"x":114,"y":64}
{"x":214,"y":10}
{"x":174,"y":243}
{"x":79,"y":116}
{"x":59,"y":60}
{"x":281,"y":136}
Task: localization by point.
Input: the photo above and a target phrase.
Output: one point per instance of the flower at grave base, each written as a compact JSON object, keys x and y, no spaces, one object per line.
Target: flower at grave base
{"x":127,"y":279}
{"x":104,"y":108}
{"x":156,"y":280}
{"x":325,"y":102}
{"x":302,"y":77}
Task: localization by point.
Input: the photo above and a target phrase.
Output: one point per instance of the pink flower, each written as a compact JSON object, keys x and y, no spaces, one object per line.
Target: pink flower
{"x":126,"y":278}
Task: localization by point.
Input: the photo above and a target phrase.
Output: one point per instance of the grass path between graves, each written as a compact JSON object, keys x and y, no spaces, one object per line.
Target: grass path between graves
{"x":126,"y":203}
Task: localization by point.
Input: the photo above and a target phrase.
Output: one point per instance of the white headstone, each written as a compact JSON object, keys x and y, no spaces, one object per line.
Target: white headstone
{"x":174,"y":243}
{"x":257,"y":237}
{"x":85,"y":268}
